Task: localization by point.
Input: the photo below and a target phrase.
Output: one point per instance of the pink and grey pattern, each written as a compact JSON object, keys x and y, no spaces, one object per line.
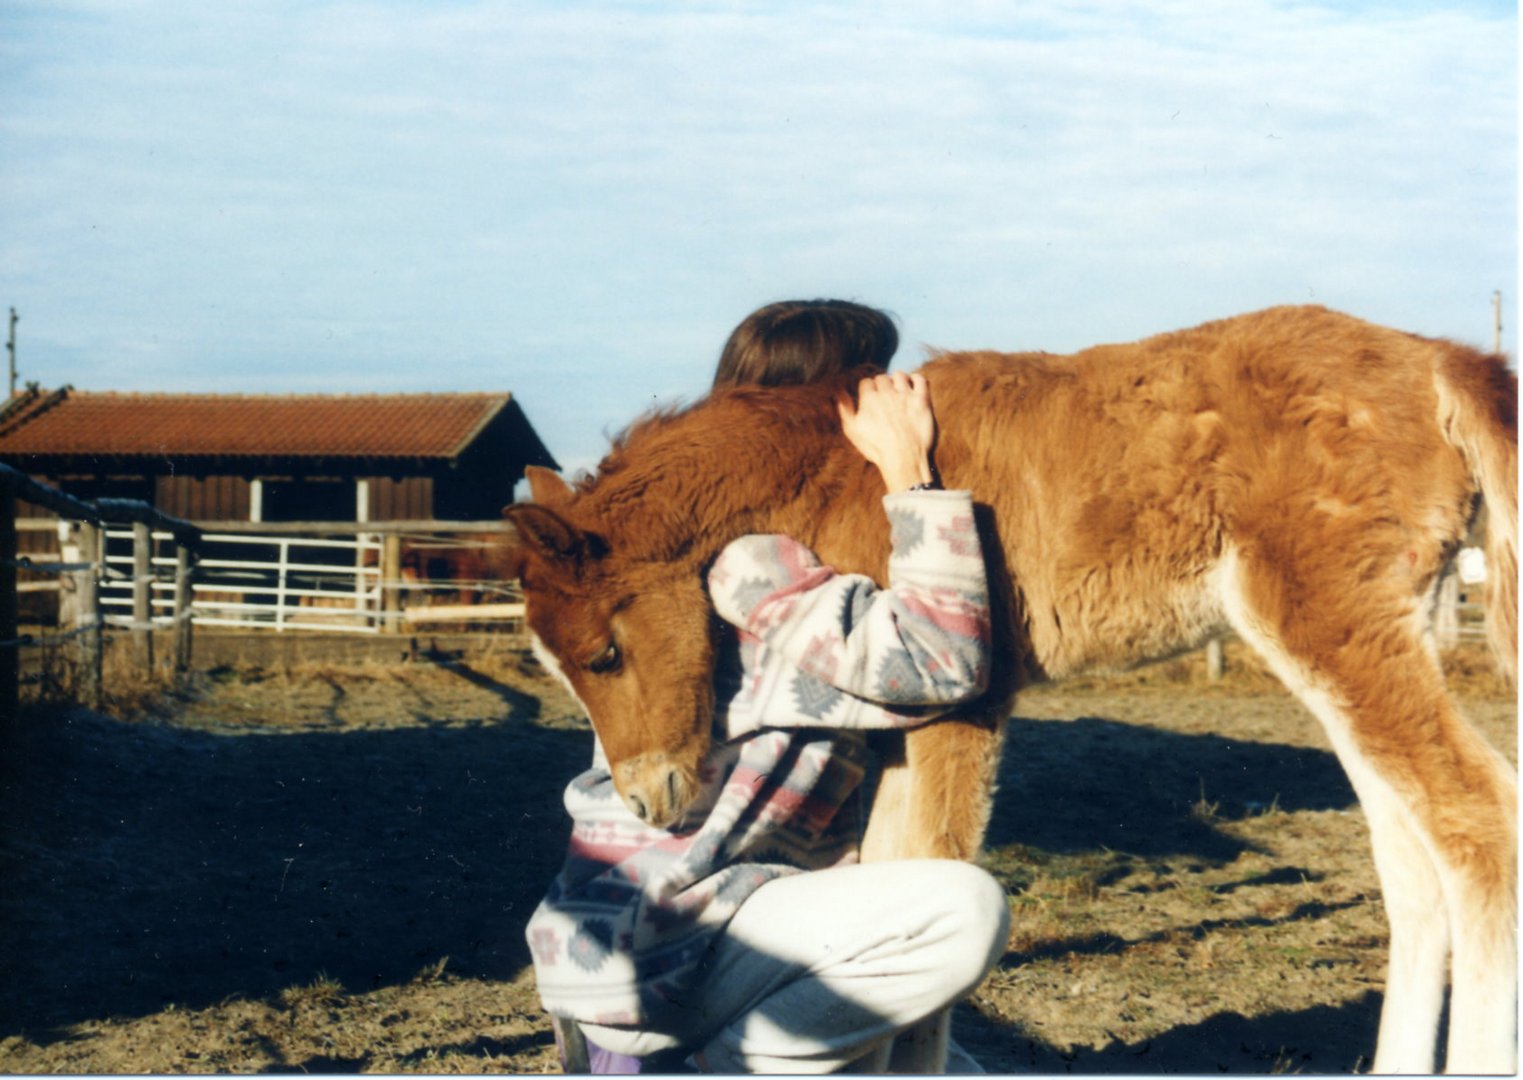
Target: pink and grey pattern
{"x":834,"y":650}
{"x":631,"y":914}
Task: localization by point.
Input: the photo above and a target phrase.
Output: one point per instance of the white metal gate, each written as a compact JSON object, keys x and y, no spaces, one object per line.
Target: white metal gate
{"x":247,"y":580}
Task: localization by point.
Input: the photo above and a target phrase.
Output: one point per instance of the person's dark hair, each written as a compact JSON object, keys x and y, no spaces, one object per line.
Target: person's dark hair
{"x":800,"y":341}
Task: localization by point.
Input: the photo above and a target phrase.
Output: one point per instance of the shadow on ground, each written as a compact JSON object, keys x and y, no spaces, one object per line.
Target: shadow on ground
{"x":149,"y":865}
{"x":1082,"y":785}
{"x":1321,"y":1039}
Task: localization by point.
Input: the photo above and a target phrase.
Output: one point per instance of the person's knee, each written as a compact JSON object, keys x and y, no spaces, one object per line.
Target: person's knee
{"x":991,"y":913}
{"x":979,"y":914}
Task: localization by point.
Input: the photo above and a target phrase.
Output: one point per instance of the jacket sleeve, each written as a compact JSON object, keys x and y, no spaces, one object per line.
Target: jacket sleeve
{"x":923,"y":640}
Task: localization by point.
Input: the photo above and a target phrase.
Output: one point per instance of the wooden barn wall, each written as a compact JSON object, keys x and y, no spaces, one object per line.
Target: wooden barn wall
{"x":32,"y":542}
{"x":225,"y":498}
{"x":478,"y":491}
{"x":203,"y":498}
{"x":406,"y":498}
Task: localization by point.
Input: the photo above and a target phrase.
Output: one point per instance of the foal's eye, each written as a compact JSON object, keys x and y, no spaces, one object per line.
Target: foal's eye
{"x":605,"y":661}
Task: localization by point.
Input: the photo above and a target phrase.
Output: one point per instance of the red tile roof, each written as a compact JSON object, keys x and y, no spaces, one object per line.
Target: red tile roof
{"x":232,"y":425}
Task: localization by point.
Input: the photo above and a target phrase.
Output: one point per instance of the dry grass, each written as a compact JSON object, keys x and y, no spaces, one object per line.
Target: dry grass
{"x":433,"y":1026}
{"x":296,"y":865}
{"x":1469,"y":669}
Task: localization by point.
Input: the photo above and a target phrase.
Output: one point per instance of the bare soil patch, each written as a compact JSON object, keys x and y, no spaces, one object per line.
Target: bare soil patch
{"x":315,"y":867}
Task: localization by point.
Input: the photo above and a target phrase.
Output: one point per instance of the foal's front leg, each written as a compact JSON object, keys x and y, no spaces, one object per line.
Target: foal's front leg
{"x":952,"y":764}
{"x":932,"y":802}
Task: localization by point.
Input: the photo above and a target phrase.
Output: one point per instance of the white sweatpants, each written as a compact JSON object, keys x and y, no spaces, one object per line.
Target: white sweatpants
{"x":818,"y":969}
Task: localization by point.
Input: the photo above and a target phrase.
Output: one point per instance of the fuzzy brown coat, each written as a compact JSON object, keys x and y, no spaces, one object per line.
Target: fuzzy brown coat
{"x":1296,"y":475}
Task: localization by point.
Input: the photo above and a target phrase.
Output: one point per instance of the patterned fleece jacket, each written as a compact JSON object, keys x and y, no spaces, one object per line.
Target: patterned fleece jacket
{"x":817,"y":658}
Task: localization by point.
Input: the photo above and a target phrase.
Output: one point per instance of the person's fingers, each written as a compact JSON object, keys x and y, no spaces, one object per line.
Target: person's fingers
{"x":920,"y":388}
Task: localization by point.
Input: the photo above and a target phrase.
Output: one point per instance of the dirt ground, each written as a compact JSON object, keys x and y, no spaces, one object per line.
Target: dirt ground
{"x":309,"y":867}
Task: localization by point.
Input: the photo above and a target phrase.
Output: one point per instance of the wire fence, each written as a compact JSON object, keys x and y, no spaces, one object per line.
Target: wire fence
{"x":123,"y":566}
{"x":86,"y":632}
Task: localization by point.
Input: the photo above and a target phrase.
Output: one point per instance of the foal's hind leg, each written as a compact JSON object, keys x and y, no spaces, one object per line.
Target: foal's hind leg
{"x":1439,"y":801}
{"x":1417,"y":967}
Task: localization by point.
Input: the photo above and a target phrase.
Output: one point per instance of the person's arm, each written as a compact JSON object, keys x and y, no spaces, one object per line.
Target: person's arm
{"x":922,"y":641}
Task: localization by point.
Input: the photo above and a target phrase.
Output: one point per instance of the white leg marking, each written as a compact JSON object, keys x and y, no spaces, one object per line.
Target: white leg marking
{"x":1415,"y":906}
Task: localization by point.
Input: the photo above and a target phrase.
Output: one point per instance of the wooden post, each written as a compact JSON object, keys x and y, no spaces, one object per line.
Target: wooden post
{"x":87,"y":615}
{"x":280,"y":586}
{"x":182,"y":608}
{"x":10,"y":349}
{"x":362,"y":594}
{"x":1216,"y":660}
{"x":391,"y":577}
{"x":10,"y":655}
{"x":68,"y":584}
{"x":142,"y":594}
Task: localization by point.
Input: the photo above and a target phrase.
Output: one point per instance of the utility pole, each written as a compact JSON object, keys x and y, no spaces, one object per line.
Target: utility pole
{"x":1496,"y":321}
{"x":10,"y":348}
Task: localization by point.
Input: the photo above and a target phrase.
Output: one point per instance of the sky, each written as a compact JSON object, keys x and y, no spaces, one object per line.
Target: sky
{"x":576,"y":201}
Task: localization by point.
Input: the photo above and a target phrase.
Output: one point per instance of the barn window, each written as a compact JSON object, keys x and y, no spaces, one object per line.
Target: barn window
{"x":308,"y":498}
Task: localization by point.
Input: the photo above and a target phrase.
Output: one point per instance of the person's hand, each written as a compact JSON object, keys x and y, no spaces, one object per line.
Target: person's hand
{"x":893,"y":427}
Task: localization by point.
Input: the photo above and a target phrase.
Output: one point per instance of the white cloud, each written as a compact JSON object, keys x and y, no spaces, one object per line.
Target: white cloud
{"x":577,"y":201}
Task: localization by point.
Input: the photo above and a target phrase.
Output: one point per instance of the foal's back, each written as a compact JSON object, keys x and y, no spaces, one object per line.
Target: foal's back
{"x":1121,"y":477}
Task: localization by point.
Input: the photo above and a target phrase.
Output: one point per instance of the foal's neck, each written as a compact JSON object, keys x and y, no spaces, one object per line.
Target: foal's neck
{"x":742,"y":461}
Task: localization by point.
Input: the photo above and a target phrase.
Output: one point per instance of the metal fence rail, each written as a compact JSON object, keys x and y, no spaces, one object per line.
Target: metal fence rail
{"x":162,"y":573}
{"x":276,"y":582}
{"x":352,"y":585}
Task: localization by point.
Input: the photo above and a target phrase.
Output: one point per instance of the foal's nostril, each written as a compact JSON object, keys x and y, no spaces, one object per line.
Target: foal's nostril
{"x":637,"y":807}
{"x":673,"y":790}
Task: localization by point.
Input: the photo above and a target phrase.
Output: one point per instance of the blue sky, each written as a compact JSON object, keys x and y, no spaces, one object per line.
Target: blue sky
{"x":576,"y":201}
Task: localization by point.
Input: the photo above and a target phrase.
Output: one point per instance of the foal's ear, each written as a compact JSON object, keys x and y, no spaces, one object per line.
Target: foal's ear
{"x":542,"y":531}
{"x":545,"y":486}
{"x":539,"y":531}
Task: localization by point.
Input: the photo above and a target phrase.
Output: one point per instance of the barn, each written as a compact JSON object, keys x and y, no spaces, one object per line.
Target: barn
{"x":269,"y":457}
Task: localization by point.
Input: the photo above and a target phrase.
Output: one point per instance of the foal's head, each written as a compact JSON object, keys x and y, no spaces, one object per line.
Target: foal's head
{"x":613,"y":568}
{"x":632,"y":639}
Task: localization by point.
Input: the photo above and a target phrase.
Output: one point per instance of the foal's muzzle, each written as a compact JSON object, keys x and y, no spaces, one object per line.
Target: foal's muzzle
{"x":654,"y":788}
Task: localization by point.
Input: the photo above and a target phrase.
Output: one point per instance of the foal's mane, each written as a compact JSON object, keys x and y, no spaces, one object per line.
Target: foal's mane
{"x":682,"y":481}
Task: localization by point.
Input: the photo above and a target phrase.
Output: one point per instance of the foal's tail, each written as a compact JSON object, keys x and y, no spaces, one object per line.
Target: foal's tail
{"x":1478,"y":412}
